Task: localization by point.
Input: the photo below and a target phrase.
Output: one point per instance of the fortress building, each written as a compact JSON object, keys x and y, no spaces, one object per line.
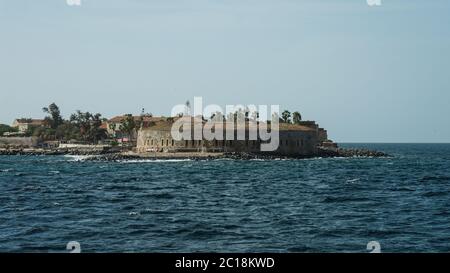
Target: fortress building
{"x":294,"y":139}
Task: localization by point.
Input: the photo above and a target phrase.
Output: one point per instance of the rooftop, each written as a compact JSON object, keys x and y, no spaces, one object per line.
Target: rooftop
{"x":166,"y":125}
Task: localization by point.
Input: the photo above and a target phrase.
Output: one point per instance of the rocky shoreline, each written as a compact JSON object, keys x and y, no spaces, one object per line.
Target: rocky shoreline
{"x":341,"y":152}
{"x":119,"y":156}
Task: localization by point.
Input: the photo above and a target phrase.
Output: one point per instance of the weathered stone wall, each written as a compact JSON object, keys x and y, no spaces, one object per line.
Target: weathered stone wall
{"x":23,"y":142}
{"x":298,"y":143}
{"x":291,"y":143}
{"x":323,"y":135}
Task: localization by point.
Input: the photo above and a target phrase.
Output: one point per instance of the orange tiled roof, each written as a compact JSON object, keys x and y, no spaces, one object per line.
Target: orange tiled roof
{"x":36,"y":122}
{"x":118,"y":119}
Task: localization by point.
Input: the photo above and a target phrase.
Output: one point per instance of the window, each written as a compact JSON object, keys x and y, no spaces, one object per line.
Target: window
{"x":167,"y":142}
{"x":173,"y":142}
{"x":162,"y":142}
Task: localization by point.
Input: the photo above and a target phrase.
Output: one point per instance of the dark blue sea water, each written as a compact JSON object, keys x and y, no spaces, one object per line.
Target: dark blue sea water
{"x":312,"y":205}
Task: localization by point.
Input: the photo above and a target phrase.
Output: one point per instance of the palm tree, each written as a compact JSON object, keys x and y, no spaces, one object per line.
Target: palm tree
{"x":54,"y":119}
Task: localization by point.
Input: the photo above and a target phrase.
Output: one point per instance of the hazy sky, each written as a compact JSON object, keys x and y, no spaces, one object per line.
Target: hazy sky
{"x":368,"y":74}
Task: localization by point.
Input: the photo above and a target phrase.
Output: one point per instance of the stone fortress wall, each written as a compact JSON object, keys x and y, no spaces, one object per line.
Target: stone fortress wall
{"x":18,"y":142}
{"x":293,"y":140}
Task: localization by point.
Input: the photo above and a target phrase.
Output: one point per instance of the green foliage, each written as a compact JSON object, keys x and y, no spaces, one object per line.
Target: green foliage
{"x":296,"y":117}
{"x":54,"y":119}
{"x":44,"y":133}
{"x":5,"y":128}
{"x":68,"y":131}
{"x":87,"y":125}
{"x":128,"y":126}
{"x":286,"y":116}
{"x":114,"y":143}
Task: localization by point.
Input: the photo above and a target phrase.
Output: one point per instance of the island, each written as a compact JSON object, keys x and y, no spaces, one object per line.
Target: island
{"x":146,"y":136}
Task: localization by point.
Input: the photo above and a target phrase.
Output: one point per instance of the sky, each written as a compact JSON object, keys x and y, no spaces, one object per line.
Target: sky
{"x":365,"y":73}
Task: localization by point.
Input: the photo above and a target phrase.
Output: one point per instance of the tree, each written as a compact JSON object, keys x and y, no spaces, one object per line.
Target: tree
{"x":54,"y":119}
{"x":88,"y":126}
{"x":128,"y":125}
{"x":67,"y":131}
{"x":5,"y":128}
{"x":82,"y":121}
{"x":286,"y":116}
{"x":187,"y":108}
{"x":296,"y":117}
{"x":43,"y":133}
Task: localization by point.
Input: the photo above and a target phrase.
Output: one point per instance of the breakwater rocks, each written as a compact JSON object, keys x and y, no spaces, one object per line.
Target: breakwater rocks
{"x":341,"y":152}
{"x":31,"y":152}
{"x":253,"y":156}
{"x":116,"y":157}
{"x":323,"y":152}
{"x":112,"y":157}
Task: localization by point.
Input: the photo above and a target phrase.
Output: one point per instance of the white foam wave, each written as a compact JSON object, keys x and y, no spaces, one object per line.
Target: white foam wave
{"x":153,"y":160}
{"x":77,"y":158}
{"x":353,"y":180}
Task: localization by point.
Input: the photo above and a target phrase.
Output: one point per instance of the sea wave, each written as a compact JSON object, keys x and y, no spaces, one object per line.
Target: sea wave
{"x":77,"y":158}
{"x":152,"y":160}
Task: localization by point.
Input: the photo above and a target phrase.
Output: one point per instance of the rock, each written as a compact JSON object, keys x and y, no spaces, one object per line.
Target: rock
{"x":341,"y":152}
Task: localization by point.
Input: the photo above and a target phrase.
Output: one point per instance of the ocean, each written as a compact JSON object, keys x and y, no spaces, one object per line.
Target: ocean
{"x":307,"y":205}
